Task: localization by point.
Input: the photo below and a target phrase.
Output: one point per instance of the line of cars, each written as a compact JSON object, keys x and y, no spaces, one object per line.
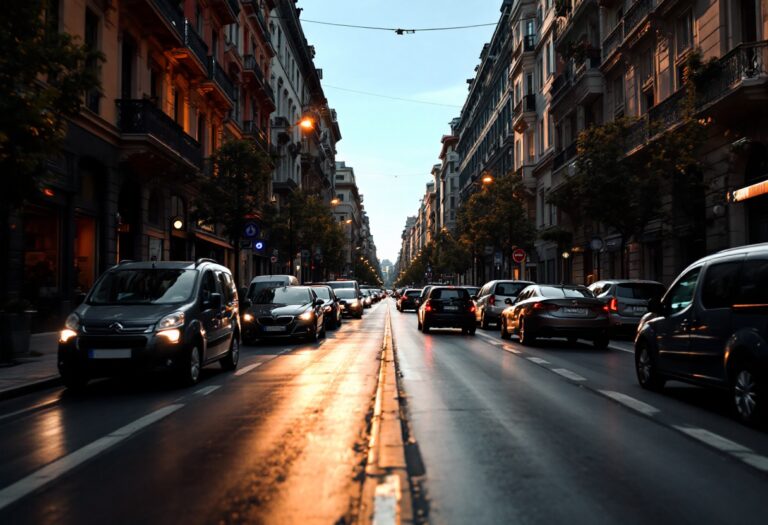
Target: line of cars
{"x":709,"y":328}
{"x":180,"y":316}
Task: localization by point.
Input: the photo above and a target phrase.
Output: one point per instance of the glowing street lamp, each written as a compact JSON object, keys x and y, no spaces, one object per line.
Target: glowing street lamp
{"x":307,"y":124}
{"x":487,"y":179}
{"x":335,"y":201}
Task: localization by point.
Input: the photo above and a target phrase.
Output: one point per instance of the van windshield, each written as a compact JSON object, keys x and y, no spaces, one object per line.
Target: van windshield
{"x":287,"y":295}
{"x":144,"y":286}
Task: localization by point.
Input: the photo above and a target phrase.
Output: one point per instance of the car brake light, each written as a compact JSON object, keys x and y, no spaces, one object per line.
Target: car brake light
{"x":472,"y":308}
{"x":545,"y":306}
{"x":428,"y":306}
{"x":613,"y":305}
{"x":492,"y":300}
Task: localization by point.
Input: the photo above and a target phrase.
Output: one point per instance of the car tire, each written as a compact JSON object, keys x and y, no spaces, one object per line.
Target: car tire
{"x":747,"y":392}
{"x":191,"y":364}
{"x":471,"y":330}
{"x":425,"y":327}
{"x":483,"y":321}
{"x":230,"y":360}
{"x":600,"y":342}
{"x":504,"y":332}
{"x":527,"y":336}
{"x":647,"y":372}
{"x":418,"y":322}
{"x":323,"y":331}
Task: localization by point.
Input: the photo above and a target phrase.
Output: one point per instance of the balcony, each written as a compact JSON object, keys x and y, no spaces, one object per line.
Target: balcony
{"x":529,"y":43}
{"x":194,"y":54}
{"x":524,"y":113}
{"x":252,"y":130}
{"x":227,"y":10}
{"x":252,"y":70}
{"x":164,"y":19}
{"x":580,"y":83}
{"x":284,"y":186}
{"x":637,"y":13}
{"x":563,"y":156}
{"x":142,"y":121}
{"x":612,"y":42}
{"x":220,"y":84}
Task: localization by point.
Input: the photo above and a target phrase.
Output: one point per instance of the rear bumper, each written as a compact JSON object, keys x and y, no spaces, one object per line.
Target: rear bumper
{"x":450,"y":320}
{"x":554,"y":327}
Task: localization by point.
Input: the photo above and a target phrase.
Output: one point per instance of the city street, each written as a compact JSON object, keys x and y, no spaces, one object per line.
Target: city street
{"x":559,"y":434}
{"x":279,"y":441}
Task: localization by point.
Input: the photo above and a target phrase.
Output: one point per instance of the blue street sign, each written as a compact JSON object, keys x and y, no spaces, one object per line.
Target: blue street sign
{"x":250,"y":230}
{"x":258,"y":245}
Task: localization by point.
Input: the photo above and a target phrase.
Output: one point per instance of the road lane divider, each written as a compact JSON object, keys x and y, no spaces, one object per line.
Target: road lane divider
{"x":63,"y":465}
{"x":538,"y":360}
{"x":246,"y":369}
{"x":573,"y":376}
{"x":745,"y":454}
{"x":511,"y":349}
{"x":207,"y":390}
{"x":631,"y":402}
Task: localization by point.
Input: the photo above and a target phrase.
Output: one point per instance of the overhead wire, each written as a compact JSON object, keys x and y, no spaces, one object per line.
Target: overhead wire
{"x":396,"y":30}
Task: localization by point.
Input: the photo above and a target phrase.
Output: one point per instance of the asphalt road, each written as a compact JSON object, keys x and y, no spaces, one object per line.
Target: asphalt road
{"x":563,"y":434}
{"x":280,"y":441}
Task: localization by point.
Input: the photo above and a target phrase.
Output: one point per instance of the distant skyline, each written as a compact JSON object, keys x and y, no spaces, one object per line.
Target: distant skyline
{"x":393,"y":144}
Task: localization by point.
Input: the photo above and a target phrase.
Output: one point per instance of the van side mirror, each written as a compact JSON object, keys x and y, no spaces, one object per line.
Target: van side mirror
{"x":319,"y":302}
{"x":215,"y":301}
{"x":508,"y":301}
{"x":655,"y":306}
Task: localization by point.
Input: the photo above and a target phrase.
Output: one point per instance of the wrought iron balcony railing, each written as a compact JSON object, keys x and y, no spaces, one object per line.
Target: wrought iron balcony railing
{"x":217,"y":74}
{"x":195,"y":42}
{"x":143,"y":117}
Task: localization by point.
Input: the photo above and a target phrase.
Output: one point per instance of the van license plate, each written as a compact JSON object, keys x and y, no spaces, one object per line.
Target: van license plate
{"x":116,"y":353}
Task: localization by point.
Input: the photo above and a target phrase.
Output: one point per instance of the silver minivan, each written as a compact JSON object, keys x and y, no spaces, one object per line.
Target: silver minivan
{"x":492,"y":299}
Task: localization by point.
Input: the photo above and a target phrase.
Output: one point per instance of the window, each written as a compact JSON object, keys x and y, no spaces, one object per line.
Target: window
{"x":339,"y":177}
{"x":720,"y":282}
{"x":199,"y":18}
{"x":93,"y":97}
{"x":340,"y":196}
{"x":680,"y":296}
{"x":753,"y":289}
{"x":227,"y":287}
{"x":208,"y":286}
{"x":684,"y":32}
{"x":618,"y":93}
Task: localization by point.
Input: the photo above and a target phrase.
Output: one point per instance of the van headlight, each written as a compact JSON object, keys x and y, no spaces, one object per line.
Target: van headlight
{"x":247,"y":317}
{"x":174,"y":320}
{"x":71,"y":327}
{"x":306,"y":316}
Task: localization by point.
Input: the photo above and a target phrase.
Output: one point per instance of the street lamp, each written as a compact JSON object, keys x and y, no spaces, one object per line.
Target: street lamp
{"x":565,"y":255}
{"x":487,"y":179}
{"x":335,"y":201}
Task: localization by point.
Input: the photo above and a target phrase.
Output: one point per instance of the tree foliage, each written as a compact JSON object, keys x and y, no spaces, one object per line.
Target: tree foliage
{"x":43,"y":76}
{"x":233,"y":190}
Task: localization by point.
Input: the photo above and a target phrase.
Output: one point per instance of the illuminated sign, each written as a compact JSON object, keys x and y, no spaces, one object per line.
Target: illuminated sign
{"x":755,"y":190}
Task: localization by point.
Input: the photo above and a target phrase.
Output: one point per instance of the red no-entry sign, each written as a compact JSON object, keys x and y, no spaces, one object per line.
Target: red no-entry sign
{"x":518,"y":255}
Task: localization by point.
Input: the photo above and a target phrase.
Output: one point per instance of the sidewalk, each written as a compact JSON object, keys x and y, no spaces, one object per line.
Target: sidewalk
{"x":36,"y":370}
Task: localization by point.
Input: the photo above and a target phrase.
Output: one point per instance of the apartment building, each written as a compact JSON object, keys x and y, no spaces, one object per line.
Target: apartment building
{"x":348,"y":210}
{"x":447,"y":181}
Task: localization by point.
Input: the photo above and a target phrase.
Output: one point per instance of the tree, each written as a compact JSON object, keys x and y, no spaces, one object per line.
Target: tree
{"x":624,"y":192}
{"x":233,"y":190}
{"x":43,"y":76}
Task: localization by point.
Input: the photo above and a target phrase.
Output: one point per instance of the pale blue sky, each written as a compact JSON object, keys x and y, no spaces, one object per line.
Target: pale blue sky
{"x":392,"y":145}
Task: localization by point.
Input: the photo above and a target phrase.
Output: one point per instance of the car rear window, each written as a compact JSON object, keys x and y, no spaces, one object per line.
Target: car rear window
{"x":413,"y":293}
{"x":553,"y":292}
{"x":255,"y":288}
{"x":509,"y":289}
{"x":643,"y":291}
{"x":447,"y":293}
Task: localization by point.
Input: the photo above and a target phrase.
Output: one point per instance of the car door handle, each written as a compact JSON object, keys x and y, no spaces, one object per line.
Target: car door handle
{"x":685,"y":325}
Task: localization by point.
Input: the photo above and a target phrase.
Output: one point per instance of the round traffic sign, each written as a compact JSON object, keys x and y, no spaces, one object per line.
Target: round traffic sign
{"x":518,"y":255}
{"x":273,"y":259}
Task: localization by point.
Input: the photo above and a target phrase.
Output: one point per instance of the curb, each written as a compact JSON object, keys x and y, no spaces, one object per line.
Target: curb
{"x":386,"y":495}
{"x":28,"y":388}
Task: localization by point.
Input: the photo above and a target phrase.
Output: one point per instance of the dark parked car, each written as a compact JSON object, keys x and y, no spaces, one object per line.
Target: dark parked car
{"x":331,"y":306}
{"x":447,"y":307}
{"x":408,"y":299}
{"x":338,"y":285}
{"x":711,"y":329}
{"x":627,"y":302}
{"x":288,"y":311}
{"x":153,"y":316}
{"x":550,"y":310}
{"x":351,"y":302}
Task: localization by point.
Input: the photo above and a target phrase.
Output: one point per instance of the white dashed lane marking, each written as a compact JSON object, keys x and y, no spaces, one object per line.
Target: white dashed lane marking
{"x":573,"y":376}
{"x":723,"y":444}
{"x":207,"y":390}
{"x":538,"y":360}
{"x":247,"y":369}
{"x":631,"y":402}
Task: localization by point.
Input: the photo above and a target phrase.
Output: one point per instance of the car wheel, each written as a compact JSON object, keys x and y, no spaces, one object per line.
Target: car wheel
{"x":647,"y":374}
{"x":425,"y":327}
{"x":229,"y":361}
{"x":471,"y":330}
{"x":526,"y":335}
{"x":600,"y":342}
{"x":747,"y":393}
{"x":323,"y":332}
{"x":483,"y":321}
{"x":189,"y":371}
{"x":504,"y":332}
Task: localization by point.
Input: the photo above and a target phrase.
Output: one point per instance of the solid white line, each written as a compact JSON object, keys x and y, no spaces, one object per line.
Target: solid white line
{"x":568,"y":374}
{"x":33,"y":408}
{"x":512,"y":349}
{"x":61,"y":466}
{"x":207,"y":390}
{"x":538,"y":360}
{"x":620,"y":349}
{"x":631,"y":402}
{"x":246,"y":369}
{"x":496,"y":343}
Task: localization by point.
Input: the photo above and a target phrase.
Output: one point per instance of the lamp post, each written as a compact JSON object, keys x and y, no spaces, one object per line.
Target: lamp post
{"x":565,"y":255}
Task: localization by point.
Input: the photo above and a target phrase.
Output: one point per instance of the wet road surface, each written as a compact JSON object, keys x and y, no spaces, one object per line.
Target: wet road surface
{"x":279,"y":441}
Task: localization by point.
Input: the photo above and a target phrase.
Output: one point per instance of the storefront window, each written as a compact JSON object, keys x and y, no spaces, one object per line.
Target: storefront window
{"x":85,"y":253}
{"x":41,"y":261}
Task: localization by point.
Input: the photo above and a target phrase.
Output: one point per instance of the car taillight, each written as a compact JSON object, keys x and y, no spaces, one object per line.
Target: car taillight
{"x":492,"y":300}
{"x":428,"y":306}
{"x":472,"y":308}
{"x":545,"y":306}
{"x":613,"y":305}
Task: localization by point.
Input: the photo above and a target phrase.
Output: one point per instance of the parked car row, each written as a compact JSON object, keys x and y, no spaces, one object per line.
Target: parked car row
{"x":181,"y":316}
